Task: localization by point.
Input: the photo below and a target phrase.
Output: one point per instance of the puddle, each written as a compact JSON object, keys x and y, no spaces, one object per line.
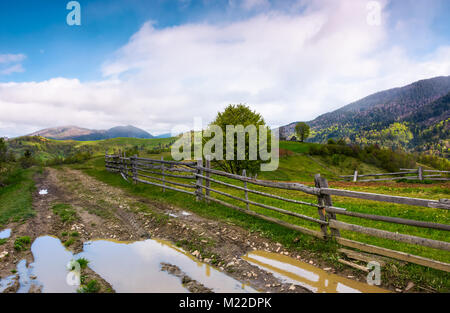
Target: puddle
{"x":5,"y":233}
{"x":300,"y":273}
{"x":50,"y":260}
{"x":43,"y":192}
{"x":136,"y":267}
{"x":127,"y":266}
{"x":6,"y":282}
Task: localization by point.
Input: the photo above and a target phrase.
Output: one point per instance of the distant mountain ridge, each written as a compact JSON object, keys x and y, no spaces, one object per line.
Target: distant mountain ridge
{"x":420,"y":108}
{"x":84,"y":134}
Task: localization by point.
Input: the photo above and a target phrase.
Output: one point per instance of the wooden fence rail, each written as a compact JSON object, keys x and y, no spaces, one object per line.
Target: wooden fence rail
{"x":418,"y":174}
{"x":172,"y":175}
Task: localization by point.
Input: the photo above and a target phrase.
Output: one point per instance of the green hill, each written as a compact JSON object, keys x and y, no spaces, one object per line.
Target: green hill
{"x":44,"y":149}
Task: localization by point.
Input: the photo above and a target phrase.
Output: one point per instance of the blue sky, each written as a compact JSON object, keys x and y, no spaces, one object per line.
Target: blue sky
{"x":122,"y":46}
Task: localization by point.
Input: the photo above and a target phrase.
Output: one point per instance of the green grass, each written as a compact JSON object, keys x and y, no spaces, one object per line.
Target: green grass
{"x":91,"y":287}
{"x":326,"y":250}
{"x":83,"y":262}
{"x":69,"y":242}
{"x":22,"y":243}
{"x":16,"y":195}
{"x":3,"y":241}
{"x":300,"y":166}
{"x":45,"y":149}
{"x":65,"y":212}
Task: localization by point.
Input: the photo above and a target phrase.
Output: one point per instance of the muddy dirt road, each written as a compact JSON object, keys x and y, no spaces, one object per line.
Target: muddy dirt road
{"x":105,"y":212}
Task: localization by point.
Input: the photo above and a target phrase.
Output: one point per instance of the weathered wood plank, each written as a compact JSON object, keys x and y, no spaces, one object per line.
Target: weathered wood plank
{"x":411,"y":258}
{"x":378,"y":197}
{"x":354,"y":265}
{"x":260,"y":192}
{"x":167,"y":181}
{"x":436,"y":244}
{"x":396,"y":220}
{"x":167,"y":187}
{"x":270,"y":219}
{"x":265,"y":183}
{"x":364,"y":257}
{"x":269,"y":207}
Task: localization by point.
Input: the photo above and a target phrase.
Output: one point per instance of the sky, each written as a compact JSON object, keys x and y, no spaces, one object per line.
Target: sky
{"x":159,"y":64}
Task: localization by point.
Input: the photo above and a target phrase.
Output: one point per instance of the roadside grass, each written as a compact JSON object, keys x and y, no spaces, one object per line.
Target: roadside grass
{"x":65,"y":211}
{"x":16,"y":196}
{"x":325,"y":250}
{"x":22,"y":243}
{"x":90,"y":287}
{"x":83,"y":262}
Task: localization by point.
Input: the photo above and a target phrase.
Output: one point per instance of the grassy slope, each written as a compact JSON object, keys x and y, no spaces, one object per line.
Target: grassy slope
{"x":46,"y":149}
{"x":327,"y":251}
{"x":302,"y":167}
{"x":15,"y":197}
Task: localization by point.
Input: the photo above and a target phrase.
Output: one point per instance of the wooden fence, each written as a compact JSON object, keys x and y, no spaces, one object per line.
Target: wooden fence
{"x":196,"y":179}
{"x":405,"y":173}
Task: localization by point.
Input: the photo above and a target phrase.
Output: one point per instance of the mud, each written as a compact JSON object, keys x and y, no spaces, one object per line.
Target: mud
{"x":105,"y":212}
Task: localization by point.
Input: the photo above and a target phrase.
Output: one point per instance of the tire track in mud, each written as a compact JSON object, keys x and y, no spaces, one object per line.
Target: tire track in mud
{"x":143,"y":218}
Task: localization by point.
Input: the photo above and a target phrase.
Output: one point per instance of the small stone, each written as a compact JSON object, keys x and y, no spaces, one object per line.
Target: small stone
{"x":3,"y":254}
{"x":409,"y":286}
{"x":311,"y":262}
{"x":49,"y":216}
{"x":327,"y":268}
{"x":230,"y":264}
{"x":196,"y":253}
{"x":398,"y":290}
{"x":292,"y":287}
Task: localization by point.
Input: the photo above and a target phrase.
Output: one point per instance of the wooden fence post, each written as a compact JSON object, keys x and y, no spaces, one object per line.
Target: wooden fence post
{"x":325,"y":200}
{"x":162,"y":172}
{"x":355,"y":176}
{"x":246,"y":191}
{"x":208,"y":174}
{"x":199,"y":190}
{"x":133,"y":168}
{"x":420,"y":173}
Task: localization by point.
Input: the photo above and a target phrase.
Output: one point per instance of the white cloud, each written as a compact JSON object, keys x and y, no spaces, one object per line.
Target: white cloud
{"x":10,"y":63}
{"x":287,"y":67}
{"x":9,"y":58}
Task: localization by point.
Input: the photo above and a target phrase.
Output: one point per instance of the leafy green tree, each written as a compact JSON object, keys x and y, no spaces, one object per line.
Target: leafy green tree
{"x":234,"y":115}
{"x":27,"y":159}
{"x":302,"y":131}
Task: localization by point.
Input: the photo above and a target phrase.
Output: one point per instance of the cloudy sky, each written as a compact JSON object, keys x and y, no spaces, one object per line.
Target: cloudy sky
{"x":158,"y":64}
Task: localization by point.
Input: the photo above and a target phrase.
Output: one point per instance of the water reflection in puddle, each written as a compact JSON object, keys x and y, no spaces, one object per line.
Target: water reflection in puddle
{"x":297,"y":272}
{"x":136,"y":267}
{"x":5,"y":233}
{"x":50,"y":260}
{"x":127,"y":266}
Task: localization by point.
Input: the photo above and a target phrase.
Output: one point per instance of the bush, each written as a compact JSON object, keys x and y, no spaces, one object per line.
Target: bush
{"x":390,"y":160}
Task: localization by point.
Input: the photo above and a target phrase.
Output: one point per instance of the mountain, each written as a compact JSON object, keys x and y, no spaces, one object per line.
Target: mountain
{"x":414,"y":117}
{"x":84,"y":134}
{"x":166,"y":135}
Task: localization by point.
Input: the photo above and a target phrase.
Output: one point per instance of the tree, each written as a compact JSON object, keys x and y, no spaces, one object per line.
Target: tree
{"x":302,"y":131}
{"x":3,"y":150}
{"x":235,"y":115}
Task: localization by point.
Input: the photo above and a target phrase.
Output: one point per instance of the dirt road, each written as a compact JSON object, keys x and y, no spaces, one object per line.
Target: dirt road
{"x":105,"y":212}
